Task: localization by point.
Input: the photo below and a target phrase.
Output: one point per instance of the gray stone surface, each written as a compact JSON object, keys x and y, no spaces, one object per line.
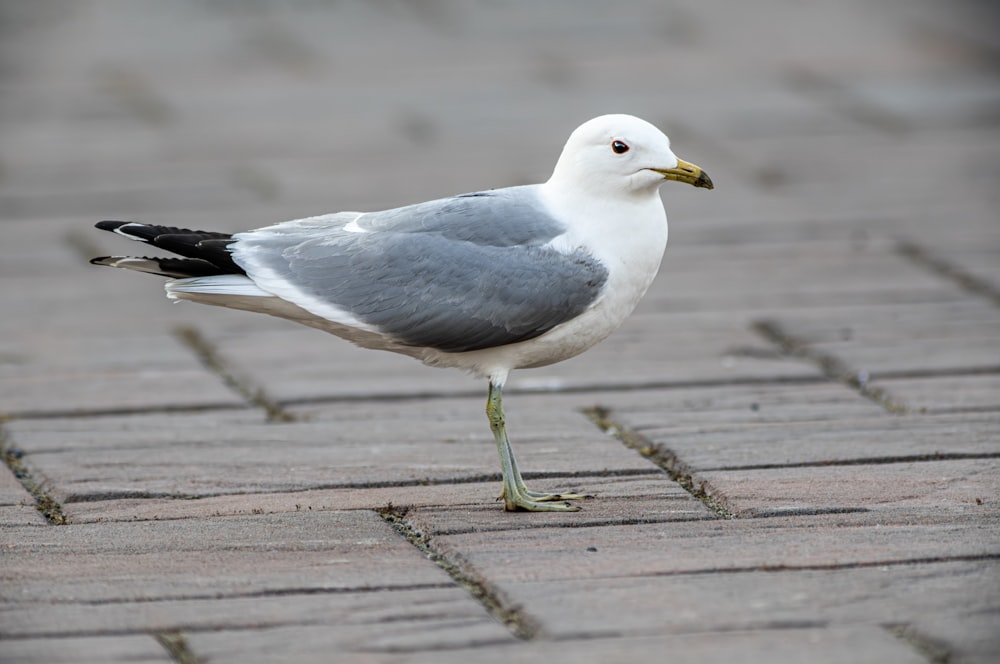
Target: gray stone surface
{"x":955,"y":393}
{"x":839,"y":644}
{"x":850,"y":466}
{"x":185,"y":558}
{"x":964,"y":485}
{"x":630,"y":498}
{"x":131,"y":649}
{"x":748,"y":445}
{"x":745,"y":601}
{"x":11,"y":490}
{"x":438,"y":618}
{"x":339,"y":445}
{"x":660,"y":549}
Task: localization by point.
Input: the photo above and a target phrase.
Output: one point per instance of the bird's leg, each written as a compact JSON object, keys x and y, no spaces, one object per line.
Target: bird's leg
{"x":515,"y":494}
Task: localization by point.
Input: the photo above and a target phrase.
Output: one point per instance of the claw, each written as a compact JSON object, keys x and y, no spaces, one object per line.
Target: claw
{"x":537,"y":501}
{"x":538,"y":506}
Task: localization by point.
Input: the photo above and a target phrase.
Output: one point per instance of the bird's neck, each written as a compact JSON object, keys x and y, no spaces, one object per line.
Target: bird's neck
{"x":624,"y":229}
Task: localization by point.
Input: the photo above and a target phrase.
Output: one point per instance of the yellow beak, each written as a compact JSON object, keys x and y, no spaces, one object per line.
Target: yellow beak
{"x":686,"y":172}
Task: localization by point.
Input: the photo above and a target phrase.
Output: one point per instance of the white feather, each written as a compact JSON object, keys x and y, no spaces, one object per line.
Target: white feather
{"x":223,"y":284}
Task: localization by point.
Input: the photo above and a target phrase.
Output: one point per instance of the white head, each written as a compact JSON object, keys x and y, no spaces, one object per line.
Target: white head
{"x":621,"y":154}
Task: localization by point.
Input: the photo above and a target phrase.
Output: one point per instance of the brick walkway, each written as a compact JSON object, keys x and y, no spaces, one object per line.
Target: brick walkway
{"x":794,"y":443}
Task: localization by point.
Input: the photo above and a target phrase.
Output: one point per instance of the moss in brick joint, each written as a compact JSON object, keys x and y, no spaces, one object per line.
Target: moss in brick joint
{"x":177,"y":647}
{"x":663,"y":458}
{"x":13,"y":458}
{"x":213,"y":361}
{"x":520,"y":625}
{"x":831,"y":367}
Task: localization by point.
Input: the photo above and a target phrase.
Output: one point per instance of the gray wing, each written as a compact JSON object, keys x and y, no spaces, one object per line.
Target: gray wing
{"x":460,"y":274}
{"x":500,"y":218}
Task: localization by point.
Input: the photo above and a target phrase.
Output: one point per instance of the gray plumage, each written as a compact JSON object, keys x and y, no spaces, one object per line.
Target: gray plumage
{"x":456,"y":274}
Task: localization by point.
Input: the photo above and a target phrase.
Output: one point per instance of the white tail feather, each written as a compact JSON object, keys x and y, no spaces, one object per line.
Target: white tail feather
{"x":223,"y":284}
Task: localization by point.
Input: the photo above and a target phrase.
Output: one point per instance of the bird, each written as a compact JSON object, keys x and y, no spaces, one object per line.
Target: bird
{"x":488,"y":282}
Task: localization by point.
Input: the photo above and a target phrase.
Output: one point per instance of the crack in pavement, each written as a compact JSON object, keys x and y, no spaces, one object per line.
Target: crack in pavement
{"x":210,"y":357}
{"x":965,"y":280}
{"x":520,"y":624}
{"x":663,"y":457}
{"x":831,"y":366}
{"x":13,"y":458}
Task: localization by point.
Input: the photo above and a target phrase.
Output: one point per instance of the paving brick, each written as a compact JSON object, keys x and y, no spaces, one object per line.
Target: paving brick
{"x":348,"y":444}
{"x":653,"y":348}
{"x":22,"y":515}
{"x":659,"y":549}
{"x":618,"y":499}
{"x":703,"y":409}
{"x":17,"y":506}
{"x":942,"y":394}
{"x":131,"y":649}
{"x":57,"y":374}
{"x":764,"y":440}
{"x":977,"y":261}
{"x":773,"y":267}
{"x":423,"y":618}
{"x":759,"y":600}
{"x":80,"y":338}
{"x":956,"y":337}
{"x":49,"y":373}
{"x":11,"y":490}
{"x":123,"y":563}
{"x":971,"y":637}
{"x":862,"y":644}
{"x":966,"y":486}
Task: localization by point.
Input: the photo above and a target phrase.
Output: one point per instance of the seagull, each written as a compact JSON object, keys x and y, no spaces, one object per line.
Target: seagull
{"x":487,"y":282}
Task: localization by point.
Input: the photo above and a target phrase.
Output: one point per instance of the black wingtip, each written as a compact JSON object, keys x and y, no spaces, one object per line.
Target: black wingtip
{"x":110,"y":225}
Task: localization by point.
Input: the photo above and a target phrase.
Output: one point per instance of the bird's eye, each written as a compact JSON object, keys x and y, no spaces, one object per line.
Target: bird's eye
{"x":620,"y":147}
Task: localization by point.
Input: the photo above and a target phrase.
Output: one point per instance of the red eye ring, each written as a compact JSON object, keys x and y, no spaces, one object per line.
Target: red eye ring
{"x":619,"y":147}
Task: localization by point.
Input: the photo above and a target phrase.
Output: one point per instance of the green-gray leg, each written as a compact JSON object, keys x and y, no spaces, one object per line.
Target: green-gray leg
{"x":515,"y":494}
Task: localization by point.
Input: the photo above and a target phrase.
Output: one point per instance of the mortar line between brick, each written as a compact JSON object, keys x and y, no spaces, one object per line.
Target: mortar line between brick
{"x":210,"y":357}
{"x":215,"y":627}
{"x":259,"y":594}
{"x":393,"y":397}
{"x":177,"y":647}
{"x":300,"y":592}
{"x":667,"y":459}
{"x":965,"y":280}
{"x":496,"y":604}
{"x":44,"y":503}
{"x":566,"y":389}
{"x":831,"y":366}
{"x":831,"y":567}
{"x":928,"y":648}
{"x":869,"y":461}
{"x":123,"y":412}
{"x":333,"y":486}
